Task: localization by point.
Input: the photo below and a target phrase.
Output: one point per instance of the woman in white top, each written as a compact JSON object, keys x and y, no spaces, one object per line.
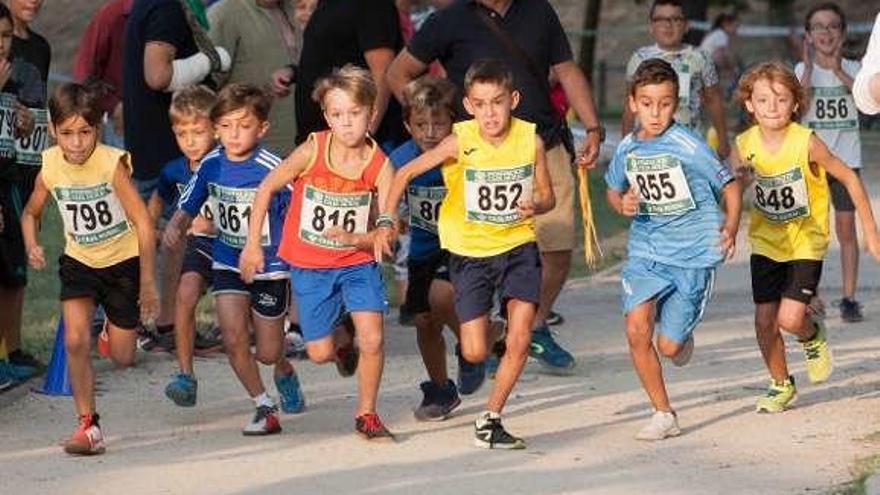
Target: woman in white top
{"x":717,"y":45}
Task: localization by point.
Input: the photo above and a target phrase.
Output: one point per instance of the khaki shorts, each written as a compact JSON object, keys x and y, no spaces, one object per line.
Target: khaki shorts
{"x":555,"y":229}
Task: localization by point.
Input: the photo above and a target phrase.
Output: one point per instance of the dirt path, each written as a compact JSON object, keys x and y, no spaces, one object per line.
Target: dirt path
{"x":579,"y":429}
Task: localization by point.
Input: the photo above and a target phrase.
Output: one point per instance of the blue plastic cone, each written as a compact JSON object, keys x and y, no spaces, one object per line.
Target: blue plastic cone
{"x":57,"y":379}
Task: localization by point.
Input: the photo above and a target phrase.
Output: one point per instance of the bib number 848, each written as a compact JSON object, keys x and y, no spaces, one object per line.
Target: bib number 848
{"x":778,"y":199}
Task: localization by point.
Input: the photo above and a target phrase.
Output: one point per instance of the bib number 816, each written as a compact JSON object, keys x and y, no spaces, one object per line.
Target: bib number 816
{"x":320,"y":219}
{"x":501,"y":197}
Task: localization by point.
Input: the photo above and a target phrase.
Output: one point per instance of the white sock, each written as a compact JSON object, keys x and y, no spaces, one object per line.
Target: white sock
{"x":264,"y":400}
{"x":486,"y":416}
{"x":866,"y":102}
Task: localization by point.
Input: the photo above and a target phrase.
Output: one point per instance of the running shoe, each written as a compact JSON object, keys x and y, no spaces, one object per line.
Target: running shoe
{"x":264,"y":422}
{"x":470,"y":375}
{"x":207,"y":343}
{"x":20,"y":358}
{"x":778,"y":397}
{"x":489,"y":433}
{"x":294,"y":343}
{"x":663,"y":424}
{"x":182,"y":390}
{"x":104,"y":342}
{"x":438,"y":401}
{"x":684,"y":355}
{"x":7,"y":379}
{"x":370,"y":427}
{"x":549,"y":353}
{"x":818,"y":355}
{"x":87,"y":439}
{"x":292,"y":399}
{"x":554,"y":318}
{"x":850,"y":311}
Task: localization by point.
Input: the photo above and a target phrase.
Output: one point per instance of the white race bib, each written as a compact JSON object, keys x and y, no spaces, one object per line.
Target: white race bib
{"x":322,"y":210}
{"x":661,"y":185}
{"x":832,"y":108}
{"x":91,"y":214}
{"x":7,"y":125}
{"x":29,"y":149}
{"x":424,"y":206}
{"x":233,"y":214}
{"x":492,"y":196}
{"x":783,"y":197}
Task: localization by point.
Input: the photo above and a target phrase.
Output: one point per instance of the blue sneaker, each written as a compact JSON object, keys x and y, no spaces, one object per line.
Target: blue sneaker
{"x":6,"y":378}
{"x":470,"y":376}
{"x":182,"y":390}
{"x":552,"y":357}
{"x":292,"y":399}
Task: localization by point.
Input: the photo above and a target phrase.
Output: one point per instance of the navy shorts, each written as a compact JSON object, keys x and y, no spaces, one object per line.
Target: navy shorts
{"x":516,"y":274}
{"x":840,"y":197}
{"x":269,"y":298}
{"x":199,"y":258}
{"x":116,"y":288}
{"x":323,"y":295}
{"x":421,"y":274}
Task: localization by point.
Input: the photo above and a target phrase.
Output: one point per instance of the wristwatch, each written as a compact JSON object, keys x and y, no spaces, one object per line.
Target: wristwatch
{"x":600,"y":129}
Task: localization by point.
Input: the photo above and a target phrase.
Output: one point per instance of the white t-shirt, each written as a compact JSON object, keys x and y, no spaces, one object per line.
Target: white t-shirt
{"x":833,"y":114}
{"x":715,"y":40}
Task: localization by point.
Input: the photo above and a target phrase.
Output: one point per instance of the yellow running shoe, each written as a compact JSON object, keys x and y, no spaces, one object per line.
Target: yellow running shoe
{"x":819,"y":365}
{"x":779,"y":396}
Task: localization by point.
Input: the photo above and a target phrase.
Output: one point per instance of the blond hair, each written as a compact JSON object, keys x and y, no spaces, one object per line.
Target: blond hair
{"x":429,"y":93}
{"x":191,"y":102}
{"x":775,"y":72}
{"x":355,"y":81}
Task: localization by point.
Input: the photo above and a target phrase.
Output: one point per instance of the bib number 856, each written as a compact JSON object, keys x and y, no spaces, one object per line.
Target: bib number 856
{"x":831,"y":108}
{"x":499,"y":197}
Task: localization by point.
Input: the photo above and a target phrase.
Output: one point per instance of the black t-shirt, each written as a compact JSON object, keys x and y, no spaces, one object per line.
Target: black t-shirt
{"x":148,"y":134}
{"x":457,"y":38}
{"x":338,"y":33}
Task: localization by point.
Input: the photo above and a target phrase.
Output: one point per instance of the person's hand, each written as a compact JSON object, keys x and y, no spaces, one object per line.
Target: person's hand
{"x":723,"y":148}
{"x":341,"y":236}
{"x":171,"y":237}
{"x":872,"y":239}
{"x":383,"y":243}
{"x":526,"y":208}
{"x":5,"y":71}
{"x":250,"y":262}
{"x":36,"y":257}
{"x":630,"y":204}
{"x":201,"y":225}
{"x":148,"y":301}
{"x":589,"y":154}
{"x":24,"y":120}
{"x":281,"y":80}
{"x":727,"y":243}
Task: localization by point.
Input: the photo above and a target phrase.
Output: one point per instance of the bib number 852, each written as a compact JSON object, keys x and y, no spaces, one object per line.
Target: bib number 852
{"x":320,"y":219}
{"x":777,"y":198}
{"x":499,"y":197}
{"x":91,"y":217}
{"x":655,"y":186}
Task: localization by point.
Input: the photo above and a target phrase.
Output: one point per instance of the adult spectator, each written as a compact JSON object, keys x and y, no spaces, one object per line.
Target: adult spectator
{"x":866,"y":88}
{"x":459,"y":35}
{"x":160,"y":56}
{"x":261,"y":37}
{"x":718,"y":45}
{"x":360,"y":32}
{"x":99,"y":58}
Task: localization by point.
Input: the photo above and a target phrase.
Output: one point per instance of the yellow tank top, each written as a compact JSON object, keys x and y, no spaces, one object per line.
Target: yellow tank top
{"x":479,"y":217}
{"x":96,"y":230}
{"x":789,"y":215}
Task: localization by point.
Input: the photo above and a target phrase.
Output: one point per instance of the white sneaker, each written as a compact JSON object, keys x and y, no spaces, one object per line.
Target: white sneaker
{"x":684,"y":355}
{"x":663,"y":424}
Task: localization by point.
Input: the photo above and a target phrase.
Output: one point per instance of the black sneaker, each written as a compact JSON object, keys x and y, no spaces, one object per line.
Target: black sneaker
{"x":207,"y":343}
{"x":490,"y":434}
{"x":850,"y":311}
{"x":554,"y":318}
{"x":20,"y":358}
{"x":437,"y":402}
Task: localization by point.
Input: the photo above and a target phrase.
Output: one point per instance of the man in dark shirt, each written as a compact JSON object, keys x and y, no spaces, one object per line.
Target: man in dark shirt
{"x":361,"y":32}
{"x":459,"y":35}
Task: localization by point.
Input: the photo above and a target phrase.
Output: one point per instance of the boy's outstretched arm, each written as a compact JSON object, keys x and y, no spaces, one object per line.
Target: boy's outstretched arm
{"x":137,"y":213}
{"x":820,"y":155}
{"x":732,"y":200}
{"x":543,"y":199}
{"x":250,"y":261}
{"x":30,"y":220}
{"x":625,"y":203}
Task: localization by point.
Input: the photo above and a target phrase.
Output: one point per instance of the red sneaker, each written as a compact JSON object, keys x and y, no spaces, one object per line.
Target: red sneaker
{"x":370,"y":427}
{"x":104,"y":342}
{"x":264,"y":422}
{"x":87,"y":439}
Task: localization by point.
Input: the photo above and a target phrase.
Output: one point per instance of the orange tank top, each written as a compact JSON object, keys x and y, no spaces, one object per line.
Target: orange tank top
{"x":322,"y":199}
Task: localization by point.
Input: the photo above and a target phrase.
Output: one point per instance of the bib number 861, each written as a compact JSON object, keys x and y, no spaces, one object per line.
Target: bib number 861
{"x":501,"y":197}
{"x":230,"y":217}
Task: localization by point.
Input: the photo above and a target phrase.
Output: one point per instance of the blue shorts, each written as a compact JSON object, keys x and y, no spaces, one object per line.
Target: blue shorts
{"x":681,"y":294}
{"x":323,"y":294}
{"x":198,"y":258}
{"x":269,"y":298}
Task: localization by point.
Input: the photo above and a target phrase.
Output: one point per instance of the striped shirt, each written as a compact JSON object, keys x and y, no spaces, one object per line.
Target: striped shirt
{"x":679,"y":180}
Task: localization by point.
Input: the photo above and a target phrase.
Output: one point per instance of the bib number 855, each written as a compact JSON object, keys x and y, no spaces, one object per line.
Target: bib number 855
{"x":499,"y":197}
{"x":655,"y":186}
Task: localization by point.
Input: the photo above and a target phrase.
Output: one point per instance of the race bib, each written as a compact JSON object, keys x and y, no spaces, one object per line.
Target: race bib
{"x":492,"y":196}
{"x":424,"y":206}
{"x":783,"y":197}
{"x":233,"y":213}
{"x":91,"y":214}
{"x":661,"y":184}
{"x":7,"y":126}
{"x":29,"y":149}
{"x":322,"y":210}
{"x":206,"y":208}
{"x":832,"y":108}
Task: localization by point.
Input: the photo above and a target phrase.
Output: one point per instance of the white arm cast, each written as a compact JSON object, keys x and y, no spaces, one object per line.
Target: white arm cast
{"x":194,"y":69}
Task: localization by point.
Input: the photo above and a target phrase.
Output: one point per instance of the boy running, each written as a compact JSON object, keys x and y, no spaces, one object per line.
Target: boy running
{"x":494,"y":168}
{"x":671,"y":183}
{"x":228,"y":177}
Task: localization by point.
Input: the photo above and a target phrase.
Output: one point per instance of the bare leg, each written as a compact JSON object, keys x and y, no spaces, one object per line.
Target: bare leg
{"x":233,"y":313}
{"x":770,"y":340}
{"x":369,"y":331}
{"x":520,"y":316}
{"x":78,"y":315}
{"x":189,"y":291}
{"x":849,"y":251}
{"x":170,"y":263}
{"x":640,"y":336}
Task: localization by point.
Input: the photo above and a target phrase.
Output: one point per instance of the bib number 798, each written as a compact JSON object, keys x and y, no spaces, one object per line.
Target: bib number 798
{"x":91,"y":217}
